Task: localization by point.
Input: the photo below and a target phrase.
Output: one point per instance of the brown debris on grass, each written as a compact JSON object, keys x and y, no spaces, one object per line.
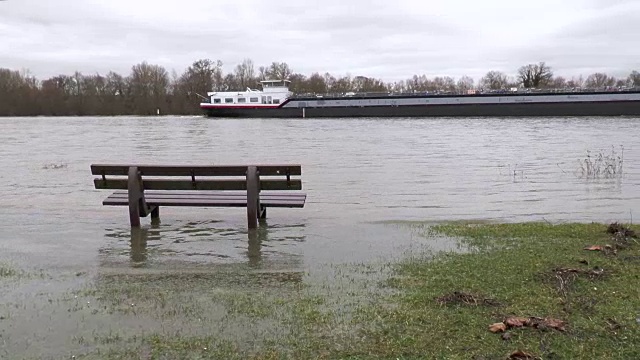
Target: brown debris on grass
{"x":606,"y":249}
{"x":521,"y":355}
{"x":613,"y":325}
{"x":564,"y":277}
{"x":532,"y":322}
{"x":546,"y":323}
{"x":621,"y":230}
{"x":593,"y":273}
{"x":516,"y":321}
{"x":621,"y":240}
{"x":462,"y":298}
{"x":498,"y":327}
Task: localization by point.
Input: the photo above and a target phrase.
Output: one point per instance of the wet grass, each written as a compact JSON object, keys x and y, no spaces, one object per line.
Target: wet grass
{"x":517,"y":265}
{"x":438,"y":306}
{"x":7,"y":270}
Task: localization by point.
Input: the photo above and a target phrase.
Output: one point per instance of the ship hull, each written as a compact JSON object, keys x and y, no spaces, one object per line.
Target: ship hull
{"x":549,"y":109}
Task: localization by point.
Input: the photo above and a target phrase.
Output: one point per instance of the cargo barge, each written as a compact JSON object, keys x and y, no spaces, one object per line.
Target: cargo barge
{"x":276,"y":101}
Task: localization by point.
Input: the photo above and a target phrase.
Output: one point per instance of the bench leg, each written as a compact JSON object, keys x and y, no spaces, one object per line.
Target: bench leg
{"x":253,"y":197}
{"x":155,"y":215}
{"x":263,"y":213}
{"x":136,"y":197}
{"x":134,"y":211}
{"x":134,"y":214}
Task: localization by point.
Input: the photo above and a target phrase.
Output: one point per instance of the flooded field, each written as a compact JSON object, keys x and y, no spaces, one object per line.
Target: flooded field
{"x":75,"y":280}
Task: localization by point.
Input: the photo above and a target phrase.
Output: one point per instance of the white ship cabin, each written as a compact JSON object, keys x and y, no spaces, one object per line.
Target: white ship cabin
{"x":274,"y":92}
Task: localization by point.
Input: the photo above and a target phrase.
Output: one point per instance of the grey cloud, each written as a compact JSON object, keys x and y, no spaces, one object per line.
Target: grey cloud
{"x":388,"y":40}
{"x":605,"y":43}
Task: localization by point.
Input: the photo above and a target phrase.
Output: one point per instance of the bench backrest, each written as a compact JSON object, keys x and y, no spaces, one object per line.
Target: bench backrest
{"x":197,"y":177}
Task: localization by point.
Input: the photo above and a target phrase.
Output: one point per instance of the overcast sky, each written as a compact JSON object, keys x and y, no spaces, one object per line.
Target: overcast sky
{"x":390,"y":40}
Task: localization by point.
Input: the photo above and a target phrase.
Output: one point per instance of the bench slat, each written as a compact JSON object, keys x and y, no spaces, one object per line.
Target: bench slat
{"x":198,"y":170}
{"x":162,"y":184}
{"x":208,"y":194}
{"x":210,"y":201}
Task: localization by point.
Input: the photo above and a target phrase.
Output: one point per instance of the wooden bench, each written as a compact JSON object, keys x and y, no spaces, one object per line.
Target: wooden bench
{"x":144,"y":188}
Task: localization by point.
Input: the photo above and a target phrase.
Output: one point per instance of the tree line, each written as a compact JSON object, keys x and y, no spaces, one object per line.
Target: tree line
{"x":149,"y":88}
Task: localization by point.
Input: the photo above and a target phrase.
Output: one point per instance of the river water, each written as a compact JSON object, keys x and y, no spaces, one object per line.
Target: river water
{"x":362,"y":177}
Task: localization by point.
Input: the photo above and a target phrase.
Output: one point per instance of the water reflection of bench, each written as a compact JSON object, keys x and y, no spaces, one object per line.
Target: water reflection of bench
{"x":144,"y":188}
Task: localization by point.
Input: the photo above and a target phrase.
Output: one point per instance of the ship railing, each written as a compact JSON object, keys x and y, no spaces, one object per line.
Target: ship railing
{"x":477,"y":91}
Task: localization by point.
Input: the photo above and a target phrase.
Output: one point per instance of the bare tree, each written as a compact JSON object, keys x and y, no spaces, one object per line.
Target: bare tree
{"x":398,"y":87}
{"x":93,"y":94}
{"x":53,"y":97}
{"x":329,"y":81}
{"x":418,"y":83}
{"x":317,"y":84}
{"x":191,"y":87}
{"x":464,"y":84}
{"x":299,"y":84}
{"x":622,"y":82}
{"x":149,"y":85}
{"x":342,"y":85}
{"x":230,"y":83}
{"x":599,"y":80}
{"x":117,"y":91}
{"x":201,"y":76}
{"x":263,"y":73}
{"x":245,"y":74}
{"x":218,"y":76}
{"x":494,"y":80}
{"x":446,"y":83}
{"x":634,"y":79}
{"x":535,"y":75}
{"x":576,"y":82}
{"x":18,"y":92}
{"x":558,"y":82}
{"x":279,"y":71}
{"x":367,"y":84}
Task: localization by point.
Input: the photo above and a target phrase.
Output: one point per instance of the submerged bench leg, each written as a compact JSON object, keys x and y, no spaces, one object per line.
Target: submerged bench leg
{"x":253,"y":197}
{"x":155,"y":215}
{"x":134,"y":214}
{"x":137,"y":204}
{"x":134,"y":197}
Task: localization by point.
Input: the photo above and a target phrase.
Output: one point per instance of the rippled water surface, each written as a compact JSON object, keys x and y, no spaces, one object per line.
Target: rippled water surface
{"x":362,"y":177}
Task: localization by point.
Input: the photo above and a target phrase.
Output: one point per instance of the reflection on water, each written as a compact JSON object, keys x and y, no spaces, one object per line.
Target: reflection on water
{"x":197,"y":242}
{"x":141,"y":236}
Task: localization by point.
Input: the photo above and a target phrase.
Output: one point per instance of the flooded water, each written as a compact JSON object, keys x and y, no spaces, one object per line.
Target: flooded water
{"x":364,"y":178}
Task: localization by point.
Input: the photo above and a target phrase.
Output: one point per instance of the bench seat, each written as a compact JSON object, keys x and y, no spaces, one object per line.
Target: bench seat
{"x":209,"y":198}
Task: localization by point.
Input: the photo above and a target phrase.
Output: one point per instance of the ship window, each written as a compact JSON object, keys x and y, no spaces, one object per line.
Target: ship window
{"x":217,"y":101}
{"x":254,"y":99}
{"x":276,"y":101}
{"x":242,"y":100}
{"x":228,"y":100}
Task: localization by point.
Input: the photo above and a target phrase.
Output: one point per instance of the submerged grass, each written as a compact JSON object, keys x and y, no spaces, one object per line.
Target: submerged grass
{"x":7,"y":271}
{"x":442,"y":306}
